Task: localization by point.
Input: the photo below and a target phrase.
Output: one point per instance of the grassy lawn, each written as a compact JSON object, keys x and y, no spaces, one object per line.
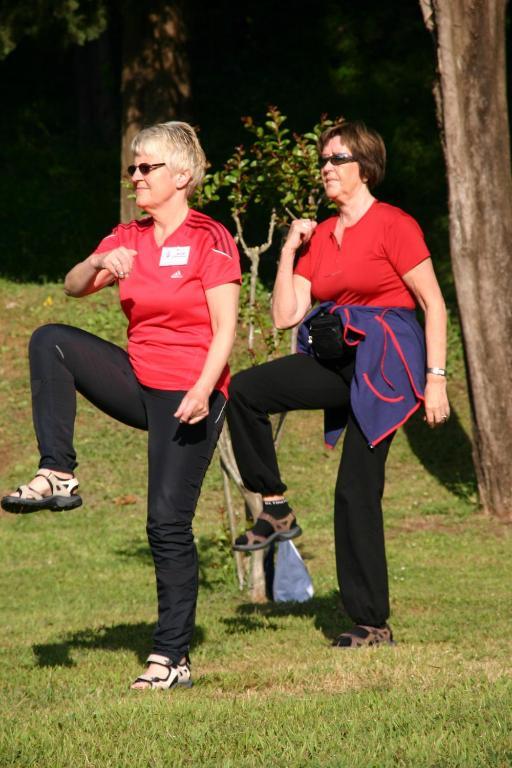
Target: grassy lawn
{"x":78,"y":605}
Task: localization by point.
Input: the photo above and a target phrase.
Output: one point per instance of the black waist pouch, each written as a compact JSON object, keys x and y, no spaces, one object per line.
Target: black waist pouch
{"x":326,"y":337}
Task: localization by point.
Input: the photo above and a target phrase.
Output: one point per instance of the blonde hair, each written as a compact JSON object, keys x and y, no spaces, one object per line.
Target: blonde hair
{"x":179,"y":147}
{"x":365,"y":144}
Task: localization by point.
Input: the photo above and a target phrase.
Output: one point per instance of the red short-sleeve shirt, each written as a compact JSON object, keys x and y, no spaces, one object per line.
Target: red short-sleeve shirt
{"x":169,"y":327}
{"x":367,"y":268}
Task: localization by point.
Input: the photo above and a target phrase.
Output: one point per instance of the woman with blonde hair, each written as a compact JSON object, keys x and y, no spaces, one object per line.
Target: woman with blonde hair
{"x":178,"y":276}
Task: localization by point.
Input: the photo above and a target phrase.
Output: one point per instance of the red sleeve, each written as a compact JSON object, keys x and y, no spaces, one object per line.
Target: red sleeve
{"x":124,"y":234}
{"x":109,"y":242}
{"x":220,"y":261}
{"x":405,"y":244}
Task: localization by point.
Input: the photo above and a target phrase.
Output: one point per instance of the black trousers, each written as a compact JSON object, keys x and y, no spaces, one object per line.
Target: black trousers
{"x":299,"y":382}
{"x":64,"y":360}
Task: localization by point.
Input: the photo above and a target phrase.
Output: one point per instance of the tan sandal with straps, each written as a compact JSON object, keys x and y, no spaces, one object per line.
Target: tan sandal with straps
{"x":63,"y":496}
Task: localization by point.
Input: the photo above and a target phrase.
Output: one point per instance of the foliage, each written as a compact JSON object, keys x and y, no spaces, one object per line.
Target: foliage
{"x":385,"y":72}
{"x":76,"y":21}
{"x":268,"y":341}
{"x":276,"y":176}
{"x":278,"y":171}
{"x":349,"y":58}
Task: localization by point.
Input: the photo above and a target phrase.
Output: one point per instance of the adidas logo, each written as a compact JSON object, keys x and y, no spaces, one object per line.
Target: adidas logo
{"x":178,"y":273}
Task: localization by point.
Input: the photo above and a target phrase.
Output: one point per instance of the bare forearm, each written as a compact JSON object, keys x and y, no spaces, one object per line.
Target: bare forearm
{"x":82,"y":279}
{"x":284,"y":298}
{"x":435,"y":333}
{"x":98,"y":270}
{"x":217,"y":357}
{"x":292,"y":295}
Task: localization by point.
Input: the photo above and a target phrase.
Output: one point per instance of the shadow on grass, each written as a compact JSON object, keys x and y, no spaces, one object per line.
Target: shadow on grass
{"x":325,"y":610}
{"x":131,"y":637}
{"x":445,"y":453}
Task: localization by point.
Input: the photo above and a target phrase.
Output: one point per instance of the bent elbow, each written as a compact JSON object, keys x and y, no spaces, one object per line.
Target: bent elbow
{"x":72,"y":292}
{"x":279,"y":320}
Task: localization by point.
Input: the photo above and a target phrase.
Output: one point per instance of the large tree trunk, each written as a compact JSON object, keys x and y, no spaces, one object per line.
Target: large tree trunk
{"x":155,"y":79}
{"x":469,"y":37}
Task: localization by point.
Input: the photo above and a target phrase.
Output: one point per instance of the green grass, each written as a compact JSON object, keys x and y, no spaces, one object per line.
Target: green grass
{"x":78,"y":605}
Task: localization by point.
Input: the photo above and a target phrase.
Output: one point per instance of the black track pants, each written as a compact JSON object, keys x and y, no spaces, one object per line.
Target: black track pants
{"x":300,"y":382}
{"x":64,"y":360}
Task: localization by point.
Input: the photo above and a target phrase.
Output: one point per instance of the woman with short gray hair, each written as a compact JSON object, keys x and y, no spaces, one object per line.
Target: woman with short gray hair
{"x":178,"y":276}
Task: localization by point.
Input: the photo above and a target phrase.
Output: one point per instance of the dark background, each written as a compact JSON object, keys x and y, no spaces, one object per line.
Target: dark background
{"x":60,"y":129}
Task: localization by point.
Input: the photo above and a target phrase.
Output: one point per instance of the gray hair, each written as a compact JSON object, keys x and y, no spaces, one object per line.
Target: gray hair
{"x":179,"y":147}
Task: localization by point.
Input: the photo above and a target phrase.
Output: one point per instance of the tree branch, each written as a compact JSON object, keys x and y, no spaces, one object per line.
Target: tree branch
{"x":239,"y":232}
{"x":271,"y":227}
{"x":428,"y":14}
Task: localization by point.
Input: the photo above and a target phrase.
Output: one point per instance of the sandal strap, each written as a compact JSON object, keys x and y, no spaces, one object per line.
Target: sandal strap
{"x":47,"y":478}
{"x":143,"y":679}
{"x":369,"y":635}
{"x":60,"y":486}
{"x":254,"y":538}
{"x":26,"y":492}
{"x":156,"y":658}
{"x":278,"y":524}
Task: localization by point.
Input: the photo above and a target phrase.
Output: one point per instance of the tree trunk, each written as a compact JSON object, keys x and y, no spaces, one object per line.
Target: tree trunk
{"x":155,"y":81}
{"x":469,"y":37}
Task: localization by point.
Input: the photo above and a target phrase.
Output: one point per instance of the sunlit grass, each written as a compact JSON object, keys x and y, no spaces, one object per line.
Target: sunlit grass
{"x":78,"y":606}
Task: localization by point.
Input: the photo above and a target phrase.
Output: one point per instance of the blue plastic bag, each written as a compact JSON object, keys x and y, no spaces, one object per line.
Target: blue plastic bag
{"x":291,"y":578}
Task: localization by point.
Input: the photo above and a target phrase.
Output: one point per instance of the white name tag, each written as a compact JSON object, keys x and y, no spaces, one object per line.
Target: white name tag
{"x":175,"y":257}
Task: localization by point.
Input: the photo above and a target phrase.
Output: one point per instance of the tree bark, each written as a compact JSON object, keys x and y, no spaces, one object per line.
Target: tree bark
{"x":155,"y":80}
{"x":469,"y":37}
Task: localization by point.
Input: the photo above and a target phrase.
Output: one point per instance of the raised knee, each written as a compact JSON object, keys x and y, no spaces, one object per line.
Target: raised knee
{"x":244,"y":387}
{"x":45,"y":336}
{"x":236,"y":385}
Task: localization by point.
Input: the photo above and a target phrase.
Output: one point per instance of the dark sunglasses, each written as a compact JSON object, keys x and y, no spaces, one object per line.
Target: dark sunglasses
{"x":144,"y":168}
{"x":338,"y":159}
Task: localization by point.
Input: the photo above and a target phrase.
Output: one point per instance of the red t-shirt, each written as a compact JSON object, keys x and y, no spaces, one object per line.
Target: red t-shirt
{"x":367,"y":268}
{"x":169,"y":327}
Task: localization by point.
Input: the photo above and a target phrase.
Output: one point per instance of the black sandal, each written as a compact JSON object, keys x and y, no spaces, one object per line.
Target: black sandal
{"x":280,"y":529}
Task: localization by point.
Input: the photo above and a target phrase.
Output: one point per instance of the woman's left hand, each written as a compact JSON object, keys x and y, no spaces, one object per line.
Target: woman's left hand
{"x":194,"y":406}
{"x":437,"y":407}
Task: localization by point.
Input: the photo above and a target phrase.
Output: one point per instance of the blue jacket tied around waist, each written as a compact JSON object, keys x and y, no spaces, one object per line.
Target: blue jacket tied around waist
{"x":389,"y":375}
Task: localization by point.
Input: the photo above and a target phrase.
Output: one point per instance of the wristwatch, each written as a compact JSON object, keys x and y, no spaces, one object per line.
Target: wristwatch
{"x":437,"y":371}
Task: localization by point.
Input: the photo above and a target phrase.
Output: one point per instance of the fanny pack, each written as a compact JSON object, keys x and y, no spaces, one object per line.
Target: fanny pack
{"x":326,"y":337}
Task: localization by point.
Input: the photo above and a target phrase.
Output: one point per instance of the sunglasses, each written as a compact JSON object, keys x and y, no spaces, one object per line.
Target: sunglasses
{"x":338,"y":159}
{"x":144,"y":168}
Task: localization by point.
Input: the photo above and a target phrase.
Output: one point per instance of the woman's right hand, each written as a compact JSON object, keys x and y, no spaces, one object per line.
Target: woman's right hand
{"x":118,"y":262}
{"x":299,"y":233}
